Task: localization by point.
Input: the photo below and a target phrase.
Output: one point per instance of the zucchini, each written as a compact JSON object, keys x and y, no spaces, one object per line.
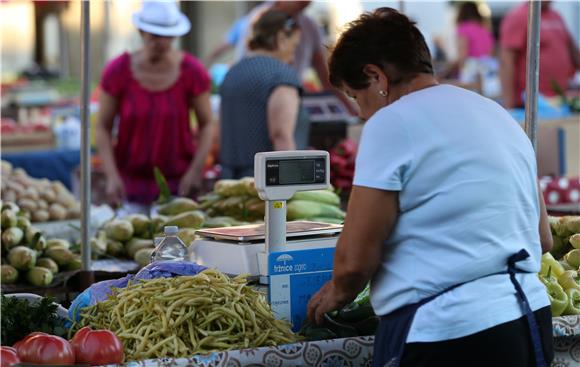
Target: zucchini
{"x":302,"y":209}
{"x":319,"y":196}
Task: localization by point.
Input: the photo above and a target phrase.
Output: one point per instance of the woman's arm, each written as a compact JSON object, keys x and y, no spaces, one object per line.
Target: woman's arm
{"x":107,"y":110}
{"x":545,"y":232}
{"x":462,"y":50}
{"x":282,"y":112}
{"x":370,"y":219}
{"x":507,"y":60}
{"x":192,"y":180}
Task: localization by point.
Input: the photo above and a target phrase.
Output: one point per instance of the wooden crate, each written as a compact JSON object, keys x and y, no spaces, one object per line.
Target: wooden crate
{"x":36,"y":140}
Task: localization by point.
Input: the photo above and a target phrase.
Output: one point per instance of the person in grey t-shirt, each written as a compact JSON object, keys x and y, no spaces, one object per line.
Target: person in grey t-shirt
{"x":260,"y":98}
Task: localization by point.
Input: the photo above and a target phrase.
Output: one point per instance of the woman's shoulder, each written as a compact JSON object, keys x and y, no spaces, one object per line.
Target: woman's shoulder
{"x":121,"y":61}
{"x":116,"y":72}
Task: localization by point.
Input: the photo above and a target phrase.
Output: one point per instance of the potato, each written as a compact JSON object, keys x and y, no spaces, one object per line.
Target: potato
{"x":66,"y":200}
{"x":57,"y":212}
{"x":59,"y":187}
{"x":19,"y":172}
{"x":9,"y":195}
{"x":6,"y":168}
{"x":40,"y":216}
{"x":31,"y":193}
{"x":28,"y":205}
{"x":22,"y":180}
{"x":48,"y":194}
{"x":18,"y":188}
{"x":74,"y":213}
{"x":42,"y":204}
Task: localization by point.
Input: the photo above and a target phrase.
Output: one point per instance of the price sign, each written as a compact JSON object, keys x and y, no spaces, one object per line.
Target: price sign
{"x":295,"y":276}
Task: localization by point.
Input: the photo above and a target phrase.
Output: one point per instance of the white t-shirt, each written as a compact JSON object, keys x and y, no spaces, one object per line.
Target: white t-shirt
{"x":466,"y":176}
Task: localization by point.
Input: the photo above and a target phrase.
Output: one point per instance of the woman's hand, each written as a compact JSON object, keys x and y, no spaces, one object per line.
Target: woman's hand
{"x":325,"y":300}
{"x":191,"y":182}
{"x":115,"y":190}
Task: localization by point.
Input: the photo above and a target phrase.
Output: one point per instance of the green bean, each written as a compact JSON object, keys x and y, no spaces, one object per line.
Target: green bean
{"x":182,"y":316}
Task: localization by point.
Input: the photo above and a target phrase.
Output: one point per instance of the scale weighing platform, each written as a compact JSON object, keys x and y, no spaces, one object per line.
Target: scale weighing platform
{"x":295,"y":258}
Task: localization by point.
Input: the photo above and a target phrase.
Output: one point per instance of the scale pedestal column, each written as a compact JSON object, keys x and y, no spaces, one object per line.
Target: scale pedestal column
{"x":275,"y":225}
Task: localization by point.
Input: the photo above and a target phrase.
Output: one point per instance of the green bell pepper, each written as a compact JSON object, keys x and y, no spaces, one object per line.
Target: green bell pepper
{"x":573,"y":306}
{"x":558,"y":298}
{"x":569,"y":279}
{"x":548,"y":262}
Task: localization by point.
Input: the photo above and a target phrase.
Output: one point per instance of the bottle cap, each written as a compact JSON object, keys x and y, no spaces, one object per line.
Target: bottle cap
{"x":170,"y":230}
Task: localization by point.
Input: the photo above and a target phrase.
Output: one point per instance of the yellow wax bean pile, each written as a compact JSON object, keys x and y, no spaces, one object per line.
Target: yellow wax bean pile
{"x":183,"y":316}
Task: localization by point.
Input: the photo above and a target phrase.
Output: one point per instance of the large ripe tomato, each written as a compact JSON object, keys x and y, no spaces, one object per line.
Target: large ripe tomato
{"x":8,"y":357}
{"x":17,"y":344}
{"x":97,"y":347}
{"x":45,"y":349}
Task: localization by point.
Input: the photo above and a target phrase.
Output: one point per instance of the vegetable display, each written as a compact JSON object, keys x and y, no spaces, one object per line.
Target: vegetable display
{"x":41,"y":348}
{"x":355,"y":319}
{"x":21,"y":317}
{"x":40,"y":200}
{"x":182,"y":316}
{"x":342,"y":161}
{"x":234,"y":202}
{"x":561,"y":277}
{"x":132,"y":236}
{"x":8,"y":357}
{"x":27,"y":256}
{"x":97,"y":347}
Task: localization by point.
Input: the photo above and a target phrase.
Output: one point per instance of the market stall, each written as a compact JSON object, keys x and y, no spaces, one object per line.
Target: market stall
{"x":199,"y":316}
{"x":354,"y":351}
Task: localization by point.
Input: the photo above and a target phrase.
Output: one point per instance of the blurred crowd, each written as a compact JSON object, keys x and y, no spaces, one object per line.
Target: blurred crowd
{"x":260,"y":96}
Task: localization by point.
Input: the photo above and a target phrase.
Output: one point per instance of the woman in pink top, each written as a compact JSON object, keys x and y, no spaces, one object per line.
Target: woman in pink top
{"x":150,"y":93}
{"x":474,"y":38}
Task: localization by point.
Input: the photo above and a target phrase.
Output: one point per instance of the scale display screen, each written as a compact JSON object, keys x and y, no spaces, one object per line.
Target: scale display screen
{"x":280,"y":172}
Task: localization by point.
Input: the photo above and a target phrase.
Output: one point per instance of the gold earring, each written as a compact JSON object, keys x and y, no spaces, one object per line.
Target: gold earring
{"x":383,"y":93}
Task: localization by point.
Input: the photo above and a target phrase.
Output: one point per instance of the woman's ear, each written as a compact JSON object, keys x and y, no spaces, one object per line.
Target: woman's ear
{"x":377,"y":75}
{"x":370,"y":71}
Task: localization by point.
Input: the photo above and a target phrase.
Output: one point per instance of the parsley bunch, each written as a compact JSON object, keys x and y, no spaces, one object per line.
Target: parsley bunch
{"x":20,"y":318}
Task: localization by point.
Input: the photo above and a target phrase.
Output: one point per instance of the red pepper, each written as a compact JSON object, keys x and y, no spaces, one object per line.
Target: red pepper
{"x":346,"y":148}
{"x":338,"y":163}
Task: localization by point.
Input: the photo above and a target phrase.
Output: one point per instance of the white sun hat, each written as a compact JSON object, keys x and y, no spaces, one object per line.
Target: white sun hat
{"x":161,"y":18}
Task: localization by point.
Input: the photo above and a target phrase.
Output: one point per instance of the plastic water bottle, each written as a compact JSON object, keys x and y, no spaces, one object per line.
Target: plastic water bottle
{"x":170,"y":247}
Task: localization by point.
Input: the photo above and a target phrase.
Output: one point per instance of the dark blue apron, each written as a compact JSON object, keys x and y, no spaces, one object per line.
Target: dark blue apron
{"x":393,"y":328}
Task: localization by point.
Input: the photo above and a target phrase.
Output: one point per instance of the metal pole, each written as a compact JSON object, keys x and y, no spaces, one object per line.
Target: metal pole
{"x":533,"y":68}
{"x":85,"y":134}
{"x":401,"y":6}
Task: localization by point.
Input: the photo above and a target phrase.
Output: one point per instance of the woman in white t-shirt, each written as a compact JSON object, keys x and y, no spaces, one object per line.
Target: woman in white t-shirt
{"x":445,"y":218}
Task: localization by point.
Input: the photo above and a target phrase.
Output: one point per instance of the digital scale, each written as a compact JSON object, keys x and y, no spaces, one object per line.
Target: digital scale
{"x":294,"y":259}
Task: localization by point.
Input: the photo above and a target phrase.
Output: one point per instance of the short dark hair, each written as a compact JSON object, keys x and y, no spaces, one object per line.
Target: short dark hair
{"x":468,"y":11}
{"x":266,"y":28}
{"x":385,"y":38}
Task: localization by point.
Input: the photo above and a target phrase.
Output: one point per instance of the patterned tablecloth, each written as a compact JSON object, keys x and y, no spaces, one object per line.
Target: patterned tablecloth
{"x":348,"y":352}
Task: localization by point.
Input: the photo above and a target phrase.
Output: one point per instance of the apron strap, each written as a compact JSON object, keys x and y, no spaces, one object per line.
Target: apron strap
{"x":394,"y":327}
{"x":532,"y":323}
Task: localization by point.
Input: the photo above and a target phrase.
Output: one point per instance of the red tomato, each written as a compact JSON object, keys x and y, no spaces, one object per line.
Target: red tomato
{"x":45,"y":349}
{"x":17,"y":344}
{"x":97,"y":347}
{"x":8,"y":357}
